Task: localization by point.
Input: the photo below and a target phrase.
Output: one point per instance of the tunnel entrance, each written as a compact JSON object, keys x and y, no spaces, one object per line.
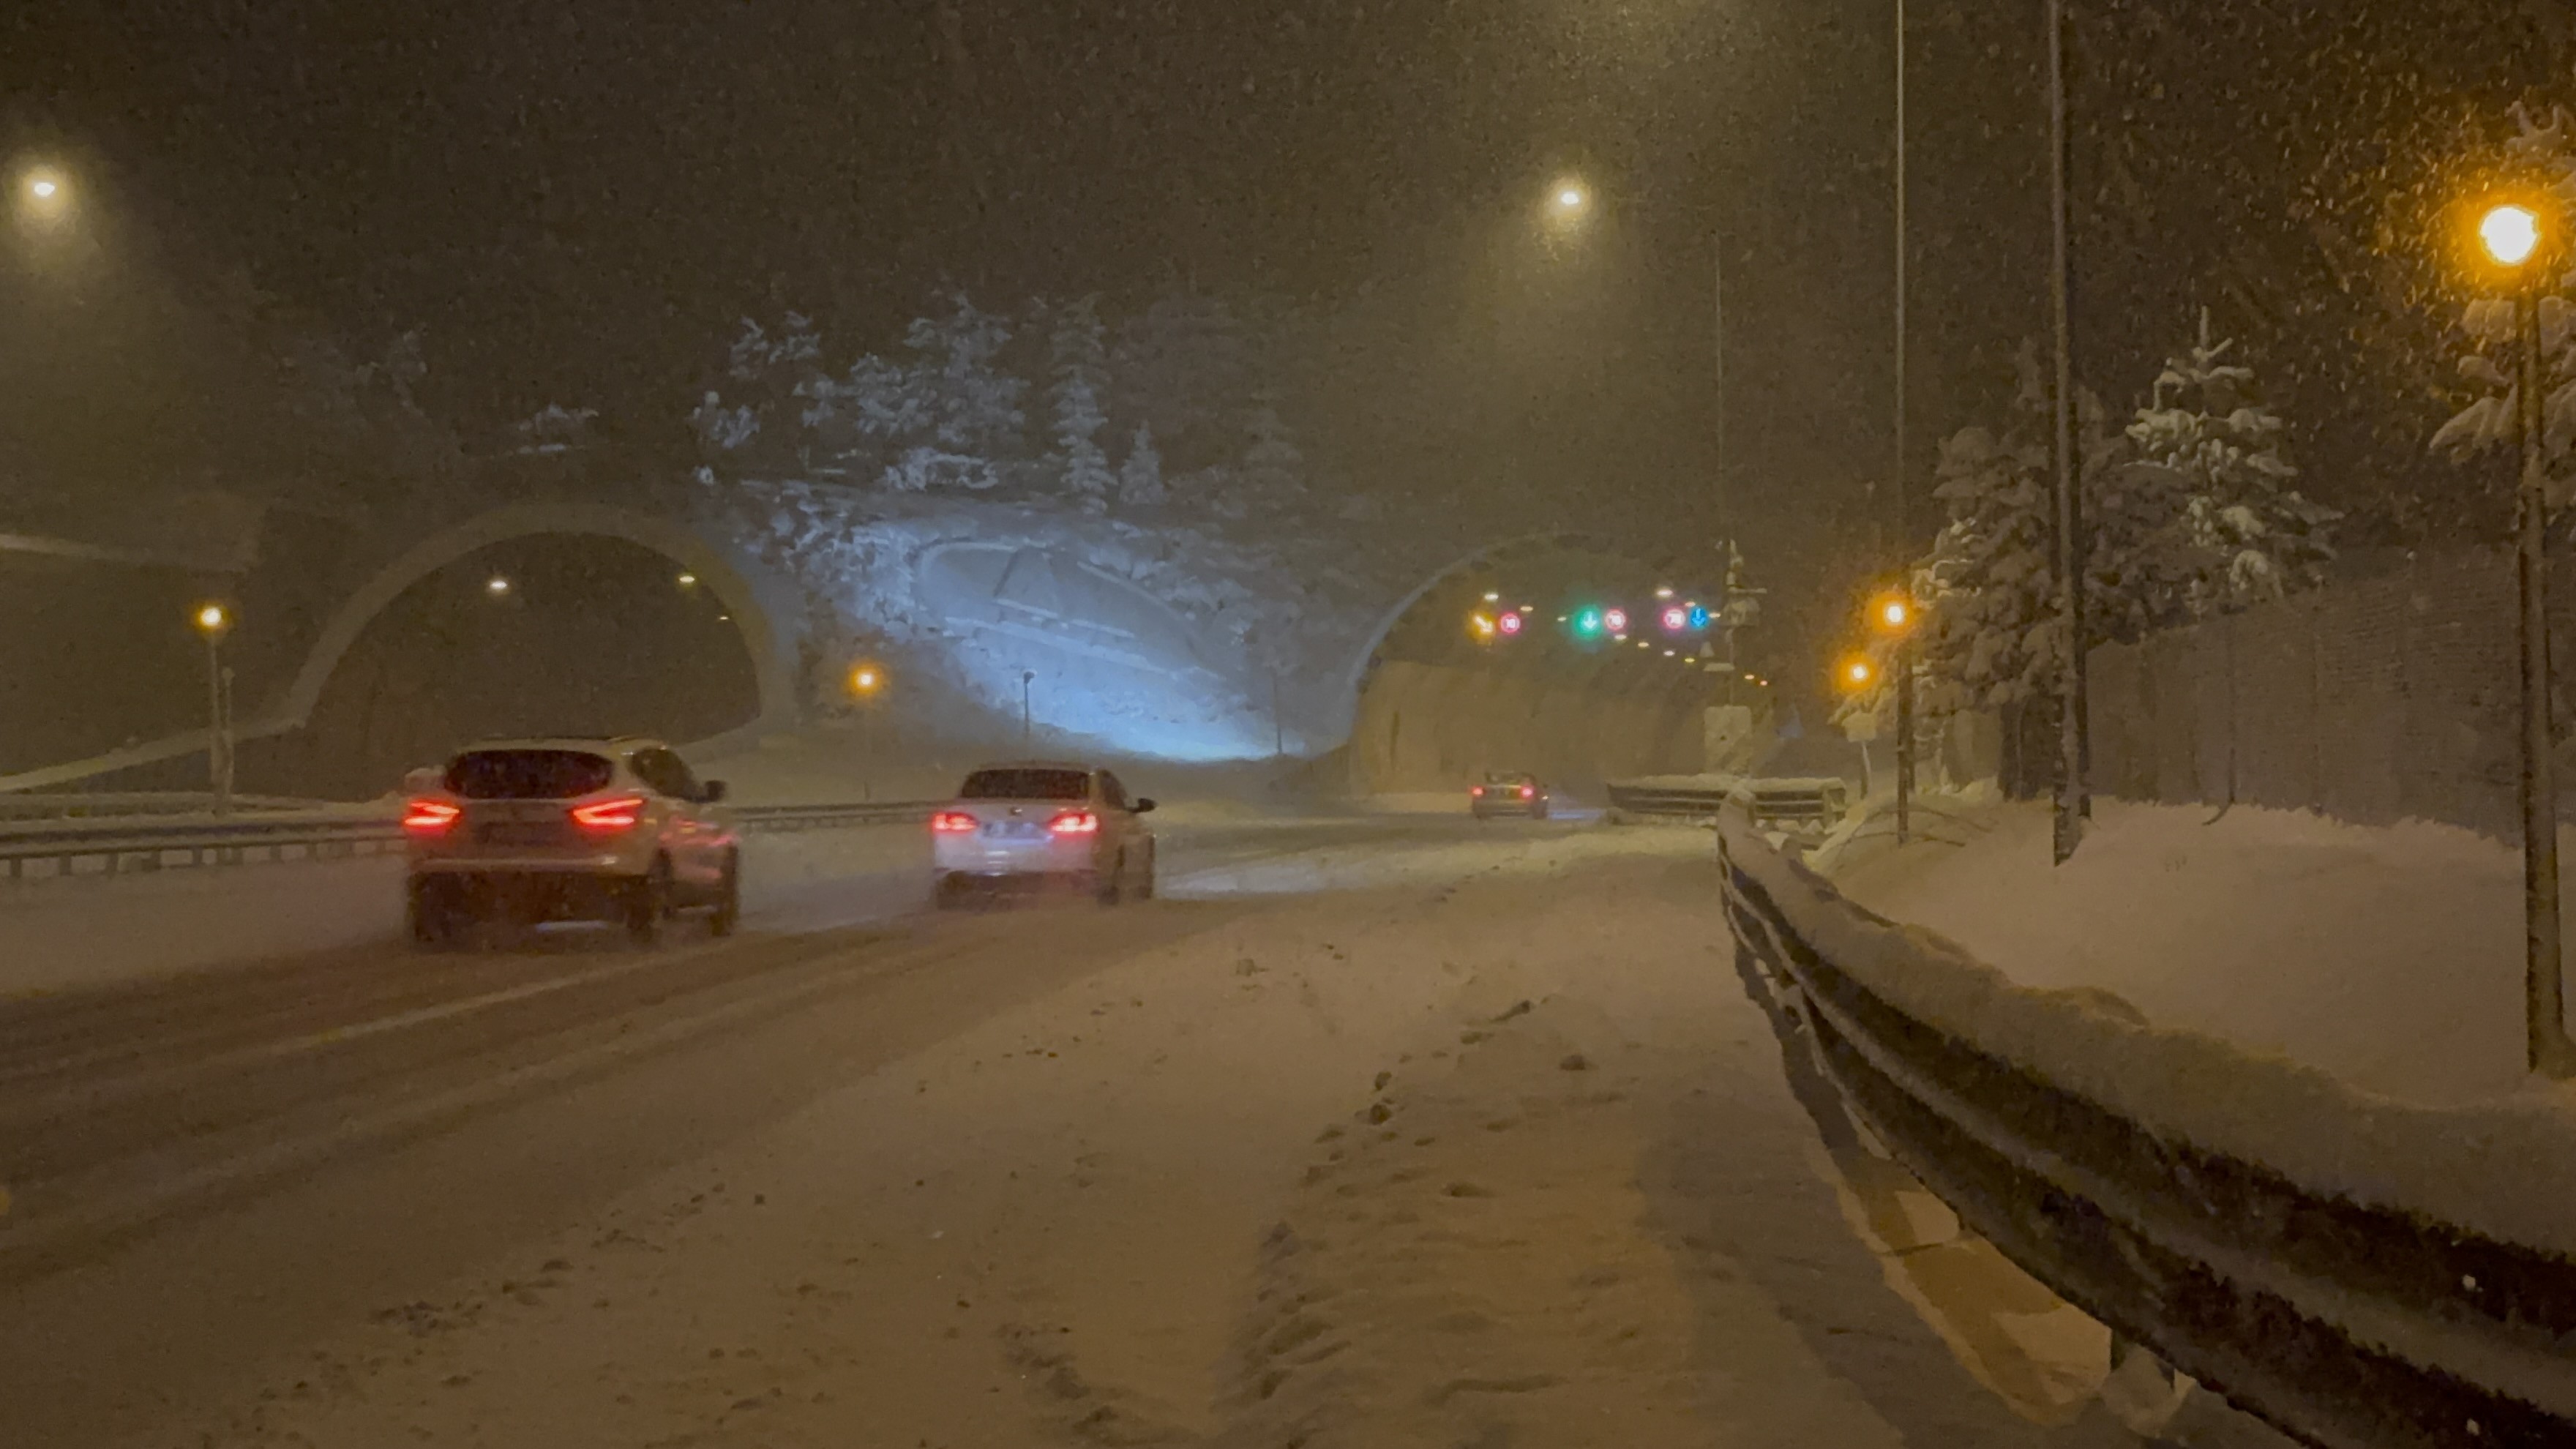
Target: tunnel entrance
{"x":1549,"y":655}
{"x":578,"y":634}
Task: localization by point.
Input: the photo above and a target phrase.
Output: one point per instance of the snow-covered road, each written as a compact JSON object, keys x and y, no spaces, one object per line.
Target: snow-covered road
{"x":1391,"y":1132}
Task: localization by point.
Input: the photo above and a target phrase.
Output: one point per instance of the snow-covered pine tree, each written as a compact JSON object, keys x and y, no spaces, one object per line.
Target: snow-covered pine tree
{"x":2489,"y":424}
{"x":2219,"y":512}
{"x":1140,"y":476}
{"x":951,"y":412}
{"x":1992,"y":632}
{"x":1078,"y":362}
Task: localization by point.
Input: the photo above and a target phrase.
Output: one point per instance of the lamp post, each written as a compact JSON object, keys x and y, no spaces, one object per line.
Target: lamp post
{"x":1028,"y":730}
{"x":213,"y":621}
{"x":867,"y":683}
{"x":2520,"y":241}
{"x":2074,"y":804}
{"x":1893,"y":615}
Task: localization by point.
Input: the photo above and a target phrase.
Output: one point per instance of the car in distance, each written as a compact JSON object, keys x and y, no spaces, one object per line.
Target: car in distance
{"x":1041,"y":824}
{"x":565,"y":828}
{"x":1508,"y":793}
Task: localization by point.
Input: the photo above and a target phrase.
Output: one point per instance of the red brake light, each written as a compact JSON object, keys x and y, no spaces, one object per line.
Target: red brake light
{"x":1075,"y":822}
{"x":618,"y":814}
{"x":429,"y":817}
{"x":954,"y":822}
{"x":1529,"y":792}
{"x":1479,"y":790}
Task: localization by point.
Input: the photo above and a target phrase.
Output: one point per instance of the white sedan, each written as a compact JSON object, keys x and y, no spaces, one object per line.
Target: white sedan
{"x":1042,"y":824}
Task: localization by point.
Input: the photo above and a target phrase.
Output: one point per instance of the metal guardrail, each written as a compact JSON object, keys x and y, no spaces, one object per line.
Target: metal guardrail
{"x":1803,"y":805}
{"x":132,"y":845}
{"x":2344,"y":1325}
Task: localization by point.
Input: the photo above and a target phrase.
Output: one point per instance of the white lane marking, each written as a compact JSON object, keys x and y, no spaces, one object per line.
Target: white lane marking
{"x":125,"y":1089}
{"x":109,"y":1214}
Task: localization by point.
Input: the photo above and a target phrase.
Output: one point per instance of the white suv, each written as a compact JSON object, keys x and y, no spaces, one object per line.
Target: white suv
{"x":1041,"y":823}
{"x":567,"y":829}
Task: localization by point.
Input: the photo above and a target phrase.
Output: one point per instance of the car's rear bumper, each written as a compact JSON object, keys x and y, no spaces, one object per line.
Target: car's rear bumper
{"x":533,"y":895}
{"x":978,"y":857}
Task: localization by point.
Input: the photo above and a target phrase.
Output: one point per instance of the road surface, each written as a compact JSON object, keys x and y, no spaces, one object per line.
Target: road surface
{"x":1384,"y":1131}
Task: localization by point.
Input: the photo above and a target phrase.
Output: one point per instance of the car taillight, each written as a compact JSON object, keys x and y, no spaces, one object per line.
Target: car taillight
{"x":1075,"y":822}
{"x":954,"y":822}
{"x":430,"y":817}
{"x":1529,"y":792}
{"x":620,"y":814}
{"x":1479,"y":790}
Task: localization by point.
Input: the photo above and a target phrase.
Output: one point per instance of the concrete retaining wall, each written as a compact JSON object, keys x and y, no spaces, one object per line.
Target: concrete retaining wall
{"x":1439,"y":727}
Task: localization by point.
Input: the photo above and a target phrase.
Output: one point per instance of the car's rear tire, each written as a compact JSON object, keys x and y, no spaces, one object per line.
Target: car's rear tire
{"x":434,"y":911}
{"x":1145,"y":886}
{"x":1111,"y":888}
{"x":648,"y":904}
{"x":728,"y":901}
{"x":948,"y":893}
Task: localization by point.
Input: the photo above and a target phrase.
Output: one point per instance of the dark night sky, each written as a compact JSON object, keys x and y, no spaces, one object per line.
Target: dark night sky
{"x":634,"y":177}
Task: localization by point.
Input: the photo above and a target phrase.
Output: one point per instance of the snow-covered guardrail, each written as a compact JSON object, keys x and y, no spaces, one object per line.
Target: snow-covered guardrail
{"x":144,"y":845}
{"x":2361,"y":1273}
{"x":1772,"y":804}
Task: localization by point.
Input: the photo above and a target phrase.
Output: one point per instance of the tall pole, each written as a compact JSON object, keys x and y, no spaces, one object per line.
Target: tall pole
{"x":1717,"y":342}
{"x":1897,"y":478}
{"x":2071,"y":805}
{"x":1896,"y":475}
{"x":218,"y":768}
{"x":1028,"y":731}
{"x":2545,"y":1022}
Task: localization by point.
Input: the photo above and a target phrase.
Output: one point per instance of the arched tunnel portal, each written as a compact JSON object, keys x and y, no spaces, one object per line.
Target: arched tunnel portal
{"x":1439,"y":698}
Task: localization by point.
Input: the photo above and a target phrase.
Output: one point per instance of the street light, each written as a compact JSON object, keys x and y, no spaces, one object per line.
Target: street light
{"x":497,"y":586}
{"x":1892,"y":614}
{"x":867,"y":681}
{"x":1855,"y":674}
{"x":44,"y":192}
{"x":213,"y":621}
{"x":2520,"y":241}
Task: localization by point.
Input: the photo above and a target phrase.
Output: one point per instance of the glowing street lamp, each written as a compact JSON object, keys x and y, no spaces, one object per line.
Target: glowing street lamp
{"x":1893,"y":614}
{"x":2510,"y":233}
{"x":45,"y":193}
{"x":1855,"y":674}
{"x":213,"y":621}
{"x":867,"y":682}
{"x":2521,"y":242}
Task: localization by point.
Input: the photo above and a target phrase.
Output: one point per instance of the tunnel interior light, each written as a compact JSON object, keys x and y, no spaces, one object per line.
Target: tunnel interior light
{"x":1665,"y":592}
{"x":496,"y":586}
{"x":688,"y":581}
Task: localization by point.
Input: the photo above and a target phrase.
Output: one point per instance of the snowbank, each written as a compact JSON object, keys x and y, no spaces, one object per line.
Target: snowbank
{"x":2505,"y":1169}
{"x":2388,"y":957}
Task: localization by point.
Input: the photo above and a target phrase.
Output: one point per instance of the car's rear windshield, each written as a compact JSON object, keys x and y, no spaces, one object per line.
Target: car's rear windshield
{"x":528,"y":774}
{"x":1501,"y":779}
{"x":1026,"y":785}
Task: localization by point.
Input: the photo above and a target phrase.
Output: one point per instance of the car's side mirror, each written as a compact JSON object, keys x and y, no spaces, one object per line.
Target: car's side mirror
{"x":711,"y":792}
{"x":1144,"y":804}
{"x":424,"y":780}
